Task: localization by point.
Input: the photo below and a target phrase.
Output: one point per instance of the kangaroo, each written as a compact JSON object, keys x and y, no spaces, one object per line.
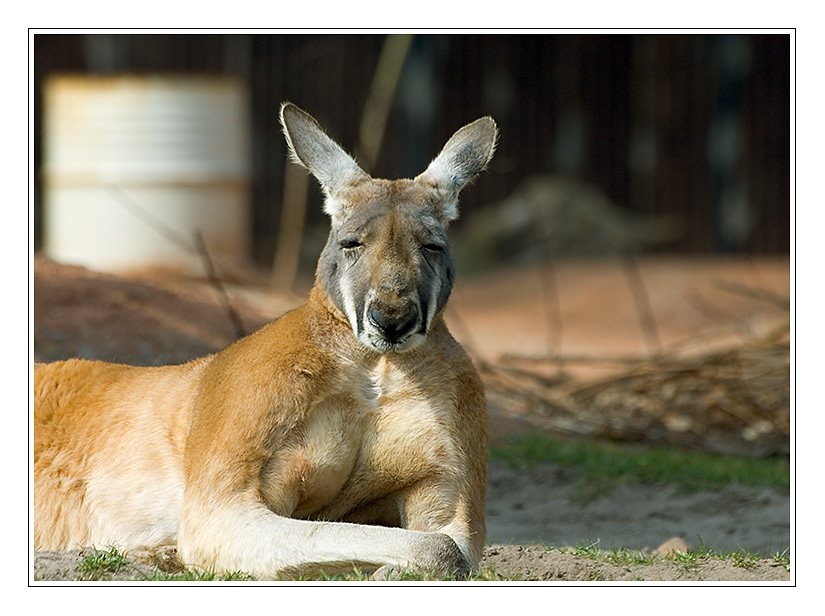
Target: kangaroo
{"x":350,"y":432}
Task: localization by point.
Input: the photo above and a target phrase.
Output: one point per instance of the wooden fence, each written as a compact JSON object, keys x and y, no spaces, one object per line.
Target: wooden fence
{"x":696,"y":126}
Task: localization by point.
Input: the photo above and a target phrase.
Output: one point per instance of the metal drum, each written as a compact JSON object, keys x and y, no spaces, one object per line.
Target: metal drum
{"x":135,"y":166}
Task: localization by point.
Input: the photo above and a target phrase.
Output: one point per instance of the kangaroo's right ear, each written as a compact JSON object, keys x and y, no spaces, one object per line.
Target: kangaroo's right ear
{"x":463,"y":157}
{"x":310,"y":147}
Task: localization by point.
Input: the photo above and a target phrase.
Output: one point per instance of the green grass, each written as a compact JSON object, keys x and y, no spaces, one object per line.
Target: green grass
{"x":113,"y":565}
{"x":738,"y":558}
{"x":108,"y":565}
{"x":614,"y":556}
{"x":102,"y":565}
{"x":604,"y":464}
{"x":191,"y":575}
{"x":687,"y":560}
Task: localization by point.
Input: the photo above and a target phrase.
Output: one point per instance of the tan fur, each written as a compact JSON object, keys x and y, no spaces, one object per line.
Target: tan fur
{"x":296,"y":448}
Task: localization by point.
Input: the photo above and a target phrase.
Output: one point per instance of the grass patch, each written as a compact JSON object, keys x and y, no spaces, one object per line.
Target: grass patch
{"x":614,"y":556}
{"x":103,"y":565}
{"x":608,"y":463}
{"x":688,"y":561}
{"x":113,"y":565}
{"x":738,"y":558}
{"x":191,"y":575}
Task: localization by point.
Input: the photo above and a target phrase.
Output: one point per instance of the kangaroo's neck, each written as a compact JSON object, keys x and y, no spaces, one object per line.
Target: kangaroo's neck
{"x":330,"y":327}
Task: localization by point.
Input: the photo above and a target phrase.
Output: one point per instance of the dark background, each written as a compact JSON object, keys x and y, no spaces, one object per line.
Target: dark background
{"x":662,"y":124}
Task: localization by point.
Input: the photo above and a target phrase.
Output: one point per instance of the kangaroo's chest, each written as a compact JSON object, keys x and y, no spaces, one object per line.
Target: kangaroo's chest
{"x":381,"y":434}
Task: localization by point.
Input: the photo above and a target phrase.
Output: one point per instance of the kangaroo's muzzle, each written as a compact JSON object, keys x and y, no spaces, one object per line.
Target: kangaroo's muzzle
{"x":394,"y":322}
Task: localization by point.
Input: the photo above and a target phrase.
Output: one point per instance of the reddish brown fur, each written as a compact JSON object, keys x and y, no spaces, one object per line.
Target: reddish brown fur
{"x":229,"y":454}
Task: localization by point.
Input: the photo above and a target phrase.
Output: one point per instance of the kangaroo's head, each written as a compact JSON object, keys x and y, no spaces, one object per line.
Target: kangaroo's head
{"x":387,"y":265}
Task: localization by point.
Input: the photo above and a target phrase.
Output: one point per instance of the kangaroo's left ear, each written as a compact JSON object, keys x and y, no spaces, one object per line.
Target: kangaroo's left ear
{"x":310,"y":147}
{"x":463,"y":157}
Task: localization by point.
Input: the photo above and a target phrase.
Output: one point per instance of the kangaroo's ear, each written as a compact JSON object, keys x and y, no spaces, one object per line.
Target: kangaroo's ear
{"x":310,"y":147}
{"x":463,"y":157}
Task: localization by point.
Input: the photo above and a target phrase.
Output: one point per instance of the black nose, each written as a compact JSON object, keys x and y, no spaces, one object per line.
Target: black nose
{"x":393,"y":324}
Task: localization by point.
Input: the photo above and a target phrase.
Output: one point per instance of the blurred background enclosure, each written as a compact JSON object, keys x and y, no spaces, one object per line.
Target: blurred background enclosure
{"x":624,"y":263}
{"x":678,"y":143}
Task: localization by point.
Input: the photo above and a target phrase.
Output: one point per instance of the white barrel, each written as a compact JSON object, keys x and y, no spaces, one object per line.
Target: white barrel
{"x":135,"y":166}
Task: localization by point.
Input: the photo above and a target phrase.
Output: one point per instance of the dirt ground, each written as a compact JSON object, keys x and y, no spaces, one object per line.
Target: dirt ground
{"x":579,"y":310}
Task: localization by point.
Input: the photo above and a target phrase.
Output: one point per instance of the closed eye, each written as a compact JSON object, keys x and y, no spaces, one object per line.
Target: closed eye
{"x":350,"y":244}
{"x":433,"y":247}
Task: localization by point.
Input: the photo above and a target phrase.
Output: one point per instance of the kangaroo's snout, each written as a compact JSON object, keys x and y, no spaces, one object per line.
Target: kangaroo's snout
{"x":394,"y":322}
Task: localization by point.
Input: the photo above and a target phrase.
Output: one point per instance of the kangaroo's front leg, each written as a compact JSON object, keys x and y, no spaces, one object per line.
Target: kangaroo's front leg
{"x":437,"y":508}
{"x":242,"y":534}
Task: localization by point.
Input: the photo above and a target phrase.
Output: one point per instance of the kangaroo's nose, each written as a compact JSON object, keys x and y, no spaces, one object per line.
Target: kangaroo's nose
{"x":393,"y":324}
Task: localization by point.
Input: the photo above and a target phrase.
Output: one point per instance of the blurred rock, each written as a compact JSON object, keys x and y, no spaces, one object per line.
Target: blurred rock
{"x":555,"y":216}
{"x":671,"y":547}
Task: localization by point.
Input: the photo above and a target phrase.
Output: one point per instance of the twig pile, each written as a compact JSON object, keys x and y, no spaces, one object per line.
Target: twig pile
{"x":732,"y":401}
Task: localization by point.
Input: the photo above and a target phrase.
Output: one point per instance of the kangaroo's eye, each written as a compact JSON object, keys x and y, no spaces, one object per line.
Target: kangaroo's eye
{"x":350,"y":243}
{"x":433,"y":247}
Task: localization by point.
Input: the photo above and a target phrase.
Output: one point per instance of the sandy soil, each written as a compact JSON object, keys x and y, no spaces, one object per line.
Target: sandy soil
{"x":513,"y":563}
{"x":153,"y":319}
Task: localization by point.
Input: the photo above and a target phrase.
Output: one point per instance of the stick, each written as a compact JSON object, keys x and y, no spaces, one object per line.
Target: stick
{"x":379,"y":99}
{"x":151,"y":220}
{"x":573,"y":359}
{"x":181,"y":241}
{"x":552,"y":304}
{"x":234,"y":318}
{"x":291,"y":226}
{"x":754,"y":292}
{"x":640,"y":296}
